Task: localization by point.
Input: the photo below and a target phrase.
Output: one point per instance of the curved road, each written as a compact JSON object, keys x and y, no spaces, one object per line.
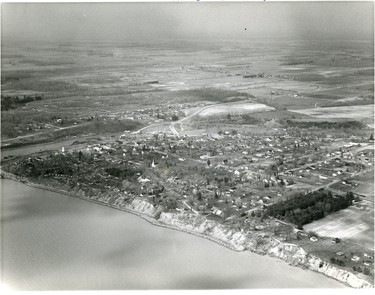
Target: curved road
{"x":172,"y":125}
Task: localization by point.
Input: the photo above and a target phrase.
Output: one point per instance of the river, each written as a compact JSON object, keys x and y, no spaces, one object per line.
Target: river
{"x":55,"y":242}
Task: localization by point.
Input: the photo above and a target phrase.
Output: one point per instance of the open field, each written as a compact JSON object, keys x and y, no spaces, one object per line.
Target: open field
{"x":123,"y":79}
{"x":365,"y":190}
{"x":235,"y":109}
{"x":352,"y":112}
{"x":355,"y":223}
{"x":365,"y":185}
{"x":252,"y":128}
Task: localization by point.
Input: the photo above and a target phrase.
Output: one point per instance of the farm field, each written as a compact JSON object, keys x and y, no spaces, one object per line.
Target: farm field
{"x":365,"y":189}
{"x":344,"y":112}
{"x":355,"y":223}
{"x":81,"y":80}
{"x":251,"y":127}
{"x":234,"y":109}
{"x":365,"y":185}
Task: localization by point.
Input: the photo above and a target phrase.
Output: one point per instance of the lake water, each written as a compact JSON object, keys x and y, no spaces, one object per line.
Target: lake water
{"x":55,"y":242}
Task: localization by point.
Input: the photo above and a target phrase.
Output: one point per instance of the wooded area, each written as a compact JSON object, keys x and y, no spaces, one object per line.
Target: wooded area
{"x":303,"y":209}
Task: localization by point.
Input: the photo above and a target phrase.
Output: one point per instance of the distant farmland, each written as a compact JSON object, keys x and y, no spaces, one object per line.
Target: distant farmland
{"x":235,"y":109}
{"x":344,"y":112}
{"x":356,"y":224}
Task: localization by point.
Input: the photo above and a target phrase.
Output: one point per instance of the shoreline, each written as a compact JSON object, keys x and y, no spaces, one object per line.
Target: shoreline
{"x":144,"y":216}
{"x":290,"y":253}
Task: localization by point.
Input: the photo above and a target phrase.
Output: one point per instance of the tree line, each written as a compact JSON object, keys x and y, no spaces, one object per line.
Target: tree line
{"x":303,"y":209}
{"x":326,"y":124}
{"x":12,"y":102}
{"x":124,"y":172}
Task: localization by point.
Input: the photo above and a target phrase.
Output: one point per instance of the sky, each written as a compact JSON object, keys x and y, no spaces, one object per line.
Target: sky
{"x":156,"y":21}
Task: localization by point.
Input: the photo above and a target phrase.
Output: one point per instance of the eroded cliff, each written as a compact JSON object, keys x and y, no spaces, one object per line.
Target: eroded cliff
{"x":257,"y":242}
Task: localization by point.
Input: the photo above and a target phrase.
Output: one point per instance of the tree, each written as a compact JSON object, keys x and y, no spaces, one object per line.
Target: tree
{"x":208,"y":162}
{"x":371,"y":137}
{"x":273,"y":169}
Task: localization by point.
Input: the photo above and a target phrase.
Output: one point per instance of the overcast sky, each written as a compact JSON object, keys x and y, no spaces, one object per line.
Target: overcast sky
{"x":149,"y":21}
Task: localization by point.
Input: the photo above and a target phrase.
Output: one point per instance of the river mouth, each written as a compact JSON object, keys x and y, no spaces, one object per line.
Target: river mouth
{"x":55,"y":242}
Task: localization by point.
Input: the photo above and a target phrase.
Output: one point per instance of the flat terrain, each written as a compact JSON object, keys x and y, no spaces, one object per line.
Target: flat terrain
{"x":240,"y":108}
{"x":80,"y":81}
{"x":352,"y":112}
{"x":365,"y":185}
{"x":218,"y":129}
{"x":366,"y":190}
{"x":355,"y":223}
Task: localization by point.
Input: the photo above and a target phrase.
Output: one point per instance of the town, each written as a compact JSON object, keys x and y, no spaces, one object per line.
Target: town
{"x":187,"y":145}
{"x":233,"y":177}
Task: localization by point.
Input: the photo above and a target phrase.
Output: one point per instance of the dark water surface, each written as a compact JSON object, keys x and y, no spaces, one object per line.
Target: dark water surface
{"x":55,"y":242}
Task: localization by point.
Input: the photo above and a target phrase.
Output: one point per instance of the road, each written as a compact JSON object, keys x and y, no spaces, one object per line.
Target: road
{"x":172,"y":125}
{"x":173,"y":129}
{"x":38,"y":134}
